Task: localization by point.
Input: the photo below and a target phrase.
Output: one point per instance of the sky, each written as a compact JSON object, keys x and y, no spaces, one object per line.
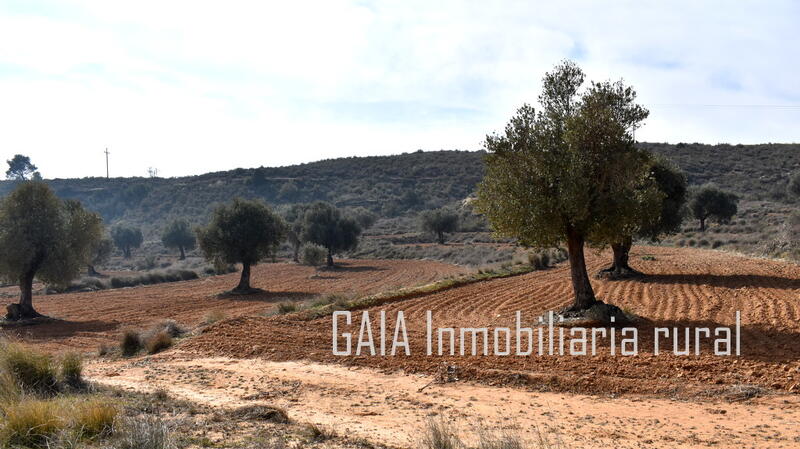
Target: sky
{"x":189,"y":87}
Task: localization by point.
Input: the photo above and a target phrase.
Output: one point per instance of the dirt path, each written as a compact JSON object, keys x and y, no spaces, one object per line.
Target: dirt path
{"x":391,"y":409}
{"x":91,"y":319}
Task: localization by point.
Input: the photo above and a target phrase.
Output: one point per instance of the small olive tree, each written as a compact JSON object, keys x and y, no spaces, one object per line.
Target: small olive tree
{"x":325,"y":225}
{"x":295,"y":218}
{"x":654,"y":220}
{"x":42,"y":237}
{"x":560,"y":175}
{"x":100,"y":254}
{"x":709,"y":202}
{"x":179,"y":235}
{"x":438,"y":222}
{"x":245,"y":232}
{"x":126,"y":238}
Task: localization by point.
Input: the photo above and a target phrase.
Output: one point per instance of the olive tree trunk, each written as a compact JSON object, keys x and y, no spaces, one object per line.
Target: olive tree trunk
{"x":183,"y":253}
{"x":24,"y":309}
{"x":330,"y":257}
{"x":619,"y":267}
{"x":441,"y":238}
{"x":244,"y":281}
{"x":584,"y":294}
{"x":91,"y":271}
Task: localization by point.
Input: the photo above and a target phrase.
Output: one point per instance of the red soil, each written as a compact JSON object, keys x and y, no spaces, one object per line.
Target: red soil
{"x":685,"y":288}
{"x":91,"y":319}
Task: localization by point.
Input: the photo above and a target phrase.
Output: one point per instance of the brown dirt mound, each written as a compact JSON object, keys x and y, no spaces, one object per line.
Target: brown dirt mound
{"x":684,"y":288}
{"x":91,"y":319}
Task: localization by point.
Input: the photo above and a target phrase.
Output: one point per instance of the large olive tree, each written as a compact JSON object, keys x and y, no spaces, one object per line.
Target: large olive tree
{"x":560,"y":175}
{"x":326,"y":226}
{"x":178,"y":235}
{"x":245,"y":232}
{"x":42,"y":237}
{"x":654,"y":221}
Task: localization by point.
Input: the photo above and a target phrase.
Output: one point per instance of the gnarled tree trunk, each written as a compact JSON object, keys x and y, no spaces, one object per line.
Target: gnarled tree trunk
{"x":330,"y":257}
{"x":584,"y":294}
{"x":244,"y":281}
{"x":24,"y":309}
{"x":619,"y":267}
{"x":91,"y":271}
{"x":183,"y":253}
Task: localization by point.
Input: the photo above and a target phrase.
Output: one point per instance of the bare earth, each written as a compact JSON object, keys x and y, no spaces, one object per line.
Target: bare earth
{"x":95,"y":318}
{"x":391,"y":409}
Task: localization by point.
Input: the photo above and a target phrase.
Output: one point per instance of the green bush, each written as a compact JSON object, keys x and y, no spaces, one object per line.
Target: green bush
{"x":313,"y":254}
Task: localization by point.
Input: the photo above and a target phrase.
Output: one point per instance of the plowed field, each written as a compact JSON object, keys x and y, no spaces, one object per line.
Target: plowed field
{"x":685,"y":288}
{"x":90,"y":319}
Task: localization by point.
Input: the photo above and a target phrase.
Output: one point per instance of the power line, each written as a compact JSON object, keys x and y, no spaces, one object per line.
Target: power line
{"x":710,"y":105}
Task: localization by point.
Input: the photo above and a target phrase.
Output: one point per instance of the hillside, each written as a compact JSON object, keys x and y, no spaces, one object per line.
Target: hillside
{"x":394,"y":185}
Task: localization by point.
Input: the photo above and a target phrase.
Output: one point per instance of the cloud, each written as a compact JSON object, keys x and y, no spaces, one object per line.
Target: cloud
{"x":196,"y":86}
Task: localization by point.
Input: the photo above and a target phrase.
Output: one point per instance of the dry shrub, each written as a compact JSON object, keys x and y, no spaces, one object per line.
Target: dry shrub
{"x":142,"y":433}
{"x":93,"y":418}
{"x":440,"y":435}
{"x":131,"y":343}
{"x":261,"y":413}
{"x":33,"y":371}
{"x":159,"y":342}
{"x":72,"y":369}
{"x":31,"y":423}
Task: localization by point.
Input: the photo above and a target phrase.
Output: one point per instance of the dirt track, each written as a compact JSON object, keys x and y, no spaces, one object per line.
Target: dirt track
{"x":91,"y":319}
{"x":686,"y":287}
{"x":392,"y":408}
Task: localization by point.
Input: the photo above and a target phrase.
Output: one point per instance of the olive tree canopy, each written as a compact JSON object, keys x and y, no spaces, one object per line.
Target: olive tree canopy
{"x":179,"y":235}
{"x":242,"y":231}
{"x":126,"y":238}
{"x":325,"y":225}
{"x":44,"y":238}
{"x":569,"y":173}
{"x":709,"y":202}
{"x":438,"y":222}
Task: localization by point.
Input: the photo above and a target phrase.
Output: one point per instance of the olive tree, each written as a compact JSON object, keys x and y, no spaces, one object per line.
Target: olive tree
{"x":654,"y":220}
{"x":42,"y":237}
{"x":326,"y":226}
{"x":242,"y":231}
{"x":295,"y":218}
{"x":709,"y":202}
{"x":100,"y":254}
{"x":179,"y":235}
{"x":560,"y":175}
{"x":126,"y":238}
{"x":438,"y":222}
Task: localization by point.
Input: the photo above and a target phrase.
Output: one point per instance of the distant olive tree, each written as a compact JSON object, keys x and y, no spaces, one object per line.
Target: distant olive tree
{"x":100,"y":254}
{"x":20,"y":168}
{"x":42,"y":237}
{"x":438,"y":222}
{"x":364,"y":217}
{"x":313,"y":254}
{"x":126,"y":238}
{"x":179,"y":235}
{"x":326,"y":226}
{"x":655,"y":220}
{"x":295,"y":218}
{"x":242,"y":231}
{"x":709,"y":202}
{"x":560,"y":175}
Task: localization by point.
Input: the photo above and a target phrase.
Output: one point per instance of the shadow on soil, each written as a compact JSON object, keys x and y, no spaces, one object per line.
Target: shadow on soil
{"x":728,"y":281}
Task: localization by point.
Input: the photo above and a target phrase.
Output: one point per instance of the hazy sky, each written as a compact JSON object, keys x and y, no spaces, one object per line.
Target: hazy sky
{"x":193,"y":86}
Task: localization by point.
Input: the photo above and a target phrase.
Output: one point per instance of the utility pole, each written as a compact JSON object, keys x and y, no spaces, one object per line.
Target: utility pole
{"x":106,"y":162}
